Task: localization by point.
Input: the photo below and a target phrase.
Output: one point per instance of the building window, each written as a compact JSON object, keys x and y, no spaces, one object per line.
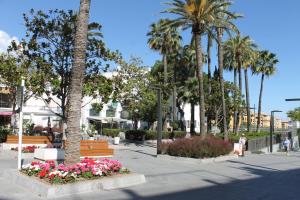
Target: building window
{"x":93,"y":112}
{"x":111,"y":111}
{"x":5,"y":100}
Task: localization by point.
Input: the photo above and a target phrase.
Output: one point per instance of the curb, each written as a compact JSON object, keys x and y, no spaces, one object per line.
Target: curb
{"x":45,"y":190}
{"x":199,"y":161}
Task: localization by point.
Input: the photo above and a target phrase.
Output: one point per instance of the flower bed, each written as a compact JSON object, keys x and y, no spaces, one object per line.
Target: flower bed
{"x":197,"y":147}
{"x":87,"y":169}
{"x":27,"y":149}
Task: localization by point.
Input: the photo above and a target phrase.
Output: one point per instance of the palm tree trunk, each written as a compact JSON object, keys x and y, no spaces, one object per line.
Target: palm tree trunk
{"x":247,"y":99}
{"x":174,"y":97}
{"x":220,"y":62}
{"x":192,"y":127}
{"x":165,"y":61}
{"x":165,"y":121}
{"x":259,"y":102}
{"x":241,"y":92}
{"x":72,"y":150}
{"x":209,"y":41}
{"x":200,"y":82}
{"x":174,"y":105}
{"x":234,"y":100}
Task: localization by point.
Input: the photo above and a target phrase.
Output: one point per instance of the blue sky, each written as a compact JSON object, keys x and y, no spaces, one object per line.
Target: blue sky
{"x":272,"y":25}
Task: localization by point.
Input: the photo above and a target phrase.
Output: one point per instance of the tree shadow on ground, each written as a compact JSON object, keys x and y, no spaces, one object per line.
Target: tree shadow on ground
{"x":265,"y":184}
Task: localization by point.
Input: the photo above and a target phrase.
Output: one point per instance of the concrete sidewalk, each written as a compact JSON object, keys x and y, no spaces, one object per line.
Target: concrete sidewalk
{"x":266,"y":177}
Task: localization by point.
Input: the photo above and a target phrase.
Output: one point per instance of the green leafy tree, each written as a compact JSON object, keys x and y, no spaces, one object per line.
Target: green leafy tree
{"x":266,"y":66}
{"x":131,"y":89}
{"x":294,"y":114}
{"x":49,"y":49}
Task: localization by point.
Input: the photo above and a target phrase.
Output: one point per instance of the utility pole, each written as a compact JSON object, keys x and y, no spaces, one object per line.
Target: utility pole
{"x":20,"y":124}
{"x":159,"y":119}
{"x":159,"y":122}
{"x":272,"y":129}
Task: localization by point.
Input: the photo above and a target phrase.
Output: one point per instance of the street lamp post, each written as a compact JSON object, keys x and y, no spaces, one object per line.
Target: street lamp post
{"x":20,"y":124}
{"x":272,"y":128}
{"x":159,"y":120}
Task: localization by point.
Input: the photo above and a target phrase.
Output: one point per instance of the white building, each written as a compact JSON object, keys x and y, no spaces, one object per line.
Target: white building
{"x":38,"y":112}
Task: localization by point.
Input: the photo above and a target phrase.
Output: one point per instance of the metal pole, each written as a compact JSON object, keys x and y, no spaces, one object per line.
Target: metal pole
{"x":159,"y":121}
{"x":271,"y":131}
{"x":20,"y":126}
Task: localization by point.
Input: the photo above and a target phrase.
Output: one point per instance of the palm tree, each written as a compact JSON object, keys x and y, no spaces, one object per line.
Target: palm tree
{"x":225,"y":25}
{"x":72,"y":150}
{"x":164,"y":39}
{"x":249,"y":61}
{"x":198,"y":15}
{"x":188,"y":92}
{"x":241,"y":49}
{"x":230,"y":63}
{"x":265,"y":65}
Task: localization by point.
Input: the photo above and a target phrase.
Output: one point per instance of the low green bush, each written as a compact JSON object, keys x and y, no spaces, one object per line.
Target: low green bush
{"x":197,"y":147}
{"x":249,"y":135}
{"x":111,"y":132}
{"x":152,"y":135}
{"x":138,"y":135}
{"x":4,"y":132}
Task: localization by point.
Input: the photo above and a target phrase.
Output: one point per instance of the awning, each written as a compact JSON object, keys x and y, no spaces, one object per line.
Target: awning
{"x":108,"y":119}
{"x":6,"y":113}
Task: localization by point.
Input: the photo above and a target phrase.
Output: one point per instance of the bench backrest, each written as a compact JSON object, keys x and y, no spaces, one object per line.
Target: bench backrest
{"x":13,"y":139}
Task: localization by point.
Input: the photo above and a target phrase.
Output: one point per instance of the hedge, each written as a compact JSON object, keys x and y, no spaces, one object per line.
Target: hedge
{"x":152,"y":135}
{"x":197,"y":147}
{"x":4,"y":131}
{"x":111,"y":132}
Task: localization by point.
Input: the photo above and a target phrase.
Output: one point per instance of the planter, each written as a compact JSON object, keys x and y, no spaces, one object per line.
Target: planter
{"x":49,"y":154}
{"x":116,"y":140}
{"x":91,"y":138}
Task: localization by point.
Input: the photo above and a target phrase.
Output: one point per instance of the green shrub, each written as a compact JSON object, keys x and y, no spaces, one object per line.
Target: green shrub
{"x":179,"y":134}
{"x":135,"y":135}
{"x":197,"y":147}
{"x":4,"y":131}
{"x":152,"y":135}
{"x":111,"y":132}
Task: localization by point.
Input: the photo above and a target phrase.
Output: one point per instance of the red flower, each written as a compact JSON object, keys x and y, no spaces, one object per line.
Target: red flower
{"x":43,"y":173}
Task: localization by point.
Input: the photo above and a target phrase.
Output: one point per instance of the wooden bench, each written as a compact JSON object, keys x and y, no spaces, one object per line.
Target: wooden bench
{"x":13,"y":139}
{"x":95,"y":148}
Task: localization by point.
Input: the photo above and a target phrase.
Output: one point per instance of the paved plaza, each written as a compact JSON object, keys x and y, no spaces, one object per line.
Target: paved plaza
{"x":265,"y":177}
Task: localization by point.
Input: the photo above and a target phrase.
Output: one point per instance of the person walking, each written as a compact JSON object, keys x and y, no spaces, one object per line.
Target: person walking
{"x":242,"y":142}
{"x":287,"y":145}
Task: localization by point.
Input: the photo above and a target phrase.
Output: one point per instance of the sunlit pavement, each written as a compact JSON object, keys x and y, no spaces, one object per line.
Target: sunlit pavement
{"x":265,"y":177}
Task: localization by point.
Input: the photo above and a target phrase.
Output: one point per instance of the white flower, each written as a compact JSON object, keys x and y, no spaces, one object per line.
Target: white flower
{"x":74,"y":175}
{"x":65,"y":174}
{"x":27,"y":166}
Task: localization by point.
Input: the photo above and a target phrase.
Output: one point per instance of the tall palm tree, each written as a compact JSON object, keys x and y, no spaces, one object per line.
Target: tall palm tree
{"x":266,"y":66}
{"x":72,"y":150}
{"x":198,"y":15}
{"x":241,"y":49}
{"x":164,"y":39}
{"x":230,"y":63}
{"x":225,"y":25}
{"x":249,"y":60}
